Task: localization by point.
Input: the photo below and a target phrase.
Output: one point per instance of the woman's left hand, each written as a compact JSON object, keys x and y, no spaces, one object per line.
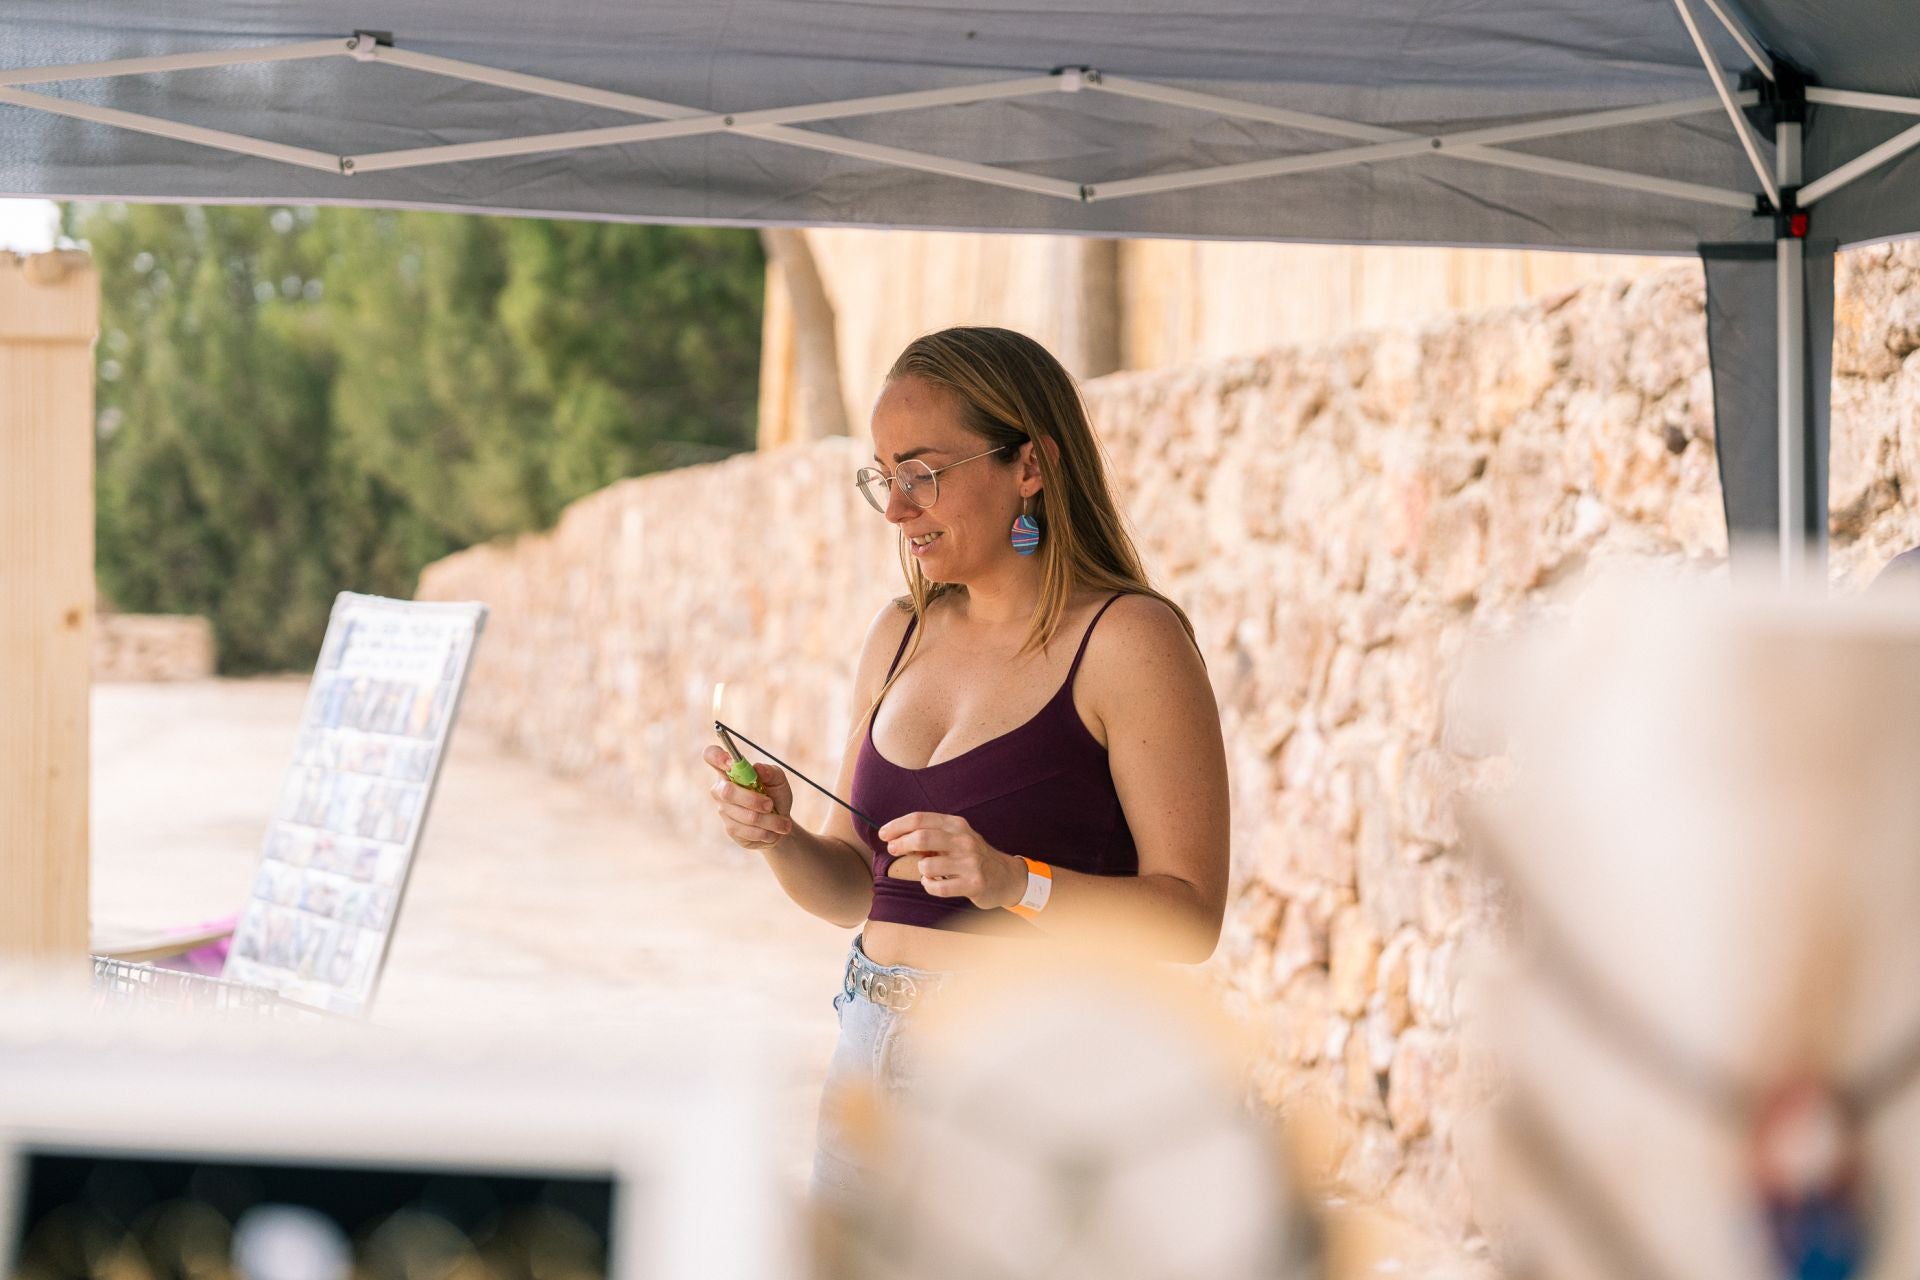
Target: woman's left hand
{"x":954,"y":862}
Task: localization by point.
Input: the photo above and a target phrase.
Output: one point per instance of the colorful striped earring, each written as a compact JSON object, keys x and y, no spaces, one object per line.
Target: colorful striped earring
{"x":1026,"y":533}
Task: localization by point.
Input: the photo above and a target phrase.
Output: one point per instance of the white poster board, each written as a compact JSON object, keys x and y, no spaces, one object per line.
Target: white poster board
{"x":334,"y":866}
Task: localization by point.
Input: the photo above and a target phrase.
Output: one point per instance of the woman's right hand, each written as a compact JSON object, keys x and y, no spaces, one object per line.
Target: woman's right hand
{"x":751,"y":819}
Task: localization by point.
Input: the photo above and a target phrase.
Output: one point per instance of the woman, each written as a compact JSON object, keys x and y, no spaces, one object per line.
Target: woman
{"x":1034,"y":774}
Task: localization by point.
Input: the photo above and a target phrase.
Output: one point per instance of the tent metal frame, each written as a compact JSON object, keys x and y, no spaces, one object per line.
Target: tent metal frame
{"x":1482,"y":145}
{"x":1749,"y":137}
{"x":1782,"y":192}
{"x":1796,"y":543}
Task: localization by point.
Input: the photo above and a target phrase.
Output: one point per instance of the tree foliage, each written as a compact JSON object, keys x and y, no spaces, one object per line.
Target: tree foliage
{"x":298,"y":402}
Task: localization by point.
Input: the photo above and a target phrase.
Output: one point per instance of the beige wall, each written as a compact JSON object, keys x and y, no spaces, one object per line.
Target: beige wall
{"x":1181,"y":301}
{"x":888,"y":287}
{"x":1189,"y":301}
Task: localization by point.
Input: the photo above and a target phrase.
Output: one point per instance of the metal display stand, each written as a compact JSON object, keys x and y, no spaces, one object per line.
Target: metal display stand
{"x":126,"y":984}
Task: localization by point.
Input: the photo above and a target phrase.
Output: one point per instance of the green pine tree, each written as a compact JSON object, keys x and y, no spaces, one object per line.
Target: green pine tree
{"x":297,"y":402}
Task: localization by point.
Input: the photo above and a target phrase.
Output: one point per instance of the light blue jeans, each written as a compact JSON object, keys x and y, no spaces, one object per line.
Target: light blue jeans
{"x":877,"y":1054}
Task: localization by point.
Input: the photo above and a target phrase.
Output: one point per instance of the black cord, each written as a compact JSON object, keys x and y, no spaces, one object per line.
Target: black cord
{"x":796,"y":773}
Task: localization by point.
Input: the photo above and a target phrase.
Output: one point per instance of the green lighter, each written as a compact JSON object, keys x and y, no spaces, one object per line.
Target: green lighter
{"x":741,"y":771}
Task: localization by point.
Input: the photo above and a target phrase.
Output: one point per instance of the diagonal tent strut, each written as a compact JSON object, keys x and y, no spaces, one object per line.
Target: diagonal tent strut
{"x":1743,"y":37}
{"x":672,"y":120}
{"x":1389,"y":144}
{"x":769,"y":125}
{"x":175,"y":62}
{"x":1378,"y":144}
{"x":1749,"y":140}
{"x":1891,"y":149}
{"x":676,"y":121}
{"x":218,"y":138}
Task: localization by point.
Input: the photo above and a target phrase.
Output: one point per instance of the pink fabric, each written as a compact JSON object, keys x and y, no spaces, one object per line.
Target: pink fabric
{"x":209,"y":958}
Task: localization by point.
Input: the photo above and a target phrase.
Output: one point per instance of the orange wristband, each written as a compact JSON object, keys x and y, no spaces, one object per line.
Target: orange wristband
{"x":1039,"y":889}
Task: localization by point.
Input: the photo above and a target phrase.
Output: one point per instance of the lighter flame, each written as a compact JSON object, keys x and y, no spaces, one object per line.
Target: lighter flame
{"x":719,"y":692}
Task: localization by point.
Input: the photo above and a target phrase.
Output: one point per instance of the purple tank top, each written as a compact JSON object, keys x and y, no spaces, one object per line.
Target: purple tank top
{"x":1042,"y":791}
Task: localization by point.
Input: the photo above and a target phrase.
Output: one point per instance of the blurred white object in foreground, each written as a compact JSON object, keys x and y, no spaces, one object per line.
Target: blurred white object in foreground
{"x":144,"y":1147}
{"x":1079,"y":1123}
{"x":1712,"y":839}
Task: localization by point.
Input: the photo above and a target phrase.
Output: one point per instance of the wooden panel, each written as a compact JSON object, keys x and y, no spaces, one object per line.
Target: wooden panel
{"x":1180,"y":301}
{"x":889,"y":287}
{"x":1190,"y":302}
{"x":48,"y":316}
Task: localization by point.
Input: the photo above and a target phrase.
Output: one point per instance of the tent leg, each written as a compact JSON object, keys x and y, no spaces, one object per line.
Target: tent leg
{"x":1791,"y":338}
{"x":1798,"y":544}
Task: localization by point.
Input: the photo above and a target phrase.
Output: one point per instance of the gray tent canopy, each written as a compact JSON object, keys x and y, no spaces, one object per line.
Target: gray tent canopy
{"x":1762,"y":135}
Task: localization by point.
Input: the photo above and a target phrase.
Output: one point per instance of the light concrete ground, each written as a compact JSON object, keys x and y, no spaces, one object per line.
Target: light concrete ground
{"x":532,"y":900}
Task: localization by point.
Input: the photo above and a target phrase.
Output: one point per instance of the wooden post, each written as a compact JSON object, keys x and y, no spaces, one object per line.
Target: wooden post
{"x":49,"y":312}
{"x":813,"y":406}
{"x":775,"y":425}
{"x":1087,"y":305}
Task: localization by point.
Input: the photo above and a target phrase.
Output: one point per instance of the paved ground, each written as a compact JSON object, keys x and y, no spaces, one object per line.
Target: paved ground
{"x":532,"y":899}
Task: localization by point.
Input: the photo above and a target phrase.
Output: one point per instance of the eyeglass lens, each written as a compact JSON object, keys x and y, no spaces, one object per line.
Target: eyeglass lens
{"x":915,"y":478}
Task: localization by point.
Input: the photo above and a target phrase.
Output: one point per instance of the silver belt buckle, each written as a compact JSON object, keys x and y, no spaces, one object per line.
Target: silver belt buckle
{"x":894,"y":991}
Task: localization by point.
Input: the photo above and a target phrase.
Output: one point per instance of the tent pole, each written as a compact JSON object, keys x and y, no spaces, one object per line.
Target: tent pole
{"x":1796,"y":541}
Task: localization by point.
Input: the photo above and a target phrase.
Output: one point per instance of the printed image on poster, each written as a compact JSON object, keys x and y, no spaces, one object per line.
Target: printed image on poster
{"x":336,"y":856}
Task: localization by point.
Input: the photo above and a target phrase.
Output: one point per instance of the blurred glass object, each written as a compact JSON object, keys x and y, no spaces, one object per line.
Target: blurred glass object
{"x":1074,"y":1123}
{"x":290,"y":1242}
{"x":1707,"y":1021}
{"x":107,"y":1215}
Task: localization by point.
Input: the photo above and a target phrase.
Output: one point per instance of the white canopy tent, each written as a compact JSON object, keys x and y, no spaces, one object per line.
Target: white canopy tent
{"x":1650,"y":126}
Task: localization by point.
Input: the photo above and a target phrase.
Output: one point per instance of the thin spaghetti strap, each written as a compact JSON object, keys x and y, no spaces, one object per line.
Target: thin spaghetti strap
{"x":911,"y":624}
{"x":1075,"y":668}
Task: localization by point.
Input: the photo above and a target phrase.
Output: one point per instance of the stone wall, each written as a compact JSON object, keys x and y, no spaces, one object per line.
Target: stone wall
{"x":1339,"y":520}
{"x":608,"y":634}
{"x":145,"y":646}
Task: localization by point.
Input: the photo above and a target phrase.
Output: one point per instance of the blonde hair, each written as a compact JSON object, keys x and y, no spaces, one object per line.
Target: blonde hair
{"x":1011,"y":391}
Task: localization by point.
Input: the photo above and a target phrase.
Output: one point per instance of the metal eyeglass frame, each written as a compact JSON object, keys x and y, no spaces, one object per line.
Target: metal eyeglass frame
{"x":872,"y":475}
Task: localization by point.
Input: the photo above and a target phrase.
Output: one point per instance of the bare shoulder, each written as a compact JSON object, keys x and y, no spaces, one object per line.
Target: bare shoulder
{"x":891,"y":619}
{"x":884,"y":635}
{"x":1141,"y":662}
{"x":1138,"y":629}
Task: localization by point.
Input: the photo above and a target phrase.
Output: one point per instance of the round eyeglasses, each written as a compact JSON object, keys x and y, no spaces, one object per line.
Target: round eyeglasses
{"x":918,"y":481}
